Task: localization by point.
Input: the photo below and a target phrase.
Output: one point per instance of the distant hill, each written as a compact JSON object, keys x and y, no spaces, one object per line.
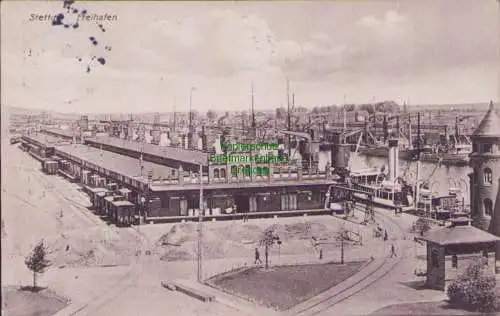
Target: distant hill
{"x":461,"y":106}
{"x":149,"y":115}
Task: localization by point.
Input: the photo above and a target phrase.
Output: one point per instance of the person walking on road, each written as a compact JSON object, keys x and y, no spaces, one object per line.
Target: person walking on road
{"x":257,"y":257}
{"x":393,"y":251}
{"x":386,"y":237}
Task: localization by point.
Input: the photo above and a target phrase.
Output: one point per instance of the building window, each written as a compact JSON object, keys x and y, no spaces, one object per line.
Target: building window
{"x":488,"y":207}
{"x":435,"y":258}
{"x":487,"y":148}
{"x":216,"y":173}
{"x":488,"y":179}
{"x":234,"y":171}
{"x":223,"y":173}
{"x":474,"y":148}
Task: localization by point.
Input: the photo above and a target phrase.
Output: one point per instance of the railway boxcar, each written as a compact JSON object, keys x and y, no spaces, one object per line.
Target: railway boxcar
{"x":122,"y":212}
{"x":49,"y":166}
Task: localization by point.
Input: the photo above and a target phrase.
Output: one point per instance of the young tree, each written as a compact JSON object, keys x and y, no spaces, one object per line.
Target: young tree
{"x":421,"y":226}
{"x":269,"y":237}
{"x":36,"y":262}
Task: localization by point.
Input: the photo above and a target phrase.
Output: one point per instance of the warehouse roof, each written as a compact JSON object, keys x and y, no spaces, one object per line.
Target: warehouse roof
{"x":60,"y":132}
{"x":195,"y":157}
{"x":117,"y":163}
{"x":43,"y":140}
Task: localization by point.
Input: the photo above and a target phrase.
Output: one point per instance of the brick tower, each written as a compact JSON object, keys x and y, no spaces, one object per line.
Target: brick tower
{"x":485,"y":161}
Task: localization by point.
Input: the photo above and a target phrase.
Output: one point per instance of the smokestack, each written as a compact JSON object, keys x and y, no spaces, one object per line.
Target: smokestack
{"x":393,"y":160}
{"x":204,"y":140}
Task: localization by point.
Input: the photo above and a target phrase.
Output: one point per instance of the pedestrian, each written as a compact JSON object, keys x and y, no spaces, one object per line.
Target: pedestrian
{"x":393,"y":251}
{"x":257,"y":257}
{"x":385,"y":235}
{"x":320,"y":254}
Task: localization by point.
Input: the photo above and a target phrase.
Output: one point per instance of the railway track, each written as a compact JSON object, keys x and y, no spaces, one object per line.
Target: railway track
{"x":380,"y":272}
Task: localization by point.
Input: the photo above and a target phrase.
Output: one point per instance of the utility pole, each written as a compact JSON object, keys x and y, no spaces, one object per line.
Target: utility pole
{"x":200,"y":230}
{"x":288,"y":117}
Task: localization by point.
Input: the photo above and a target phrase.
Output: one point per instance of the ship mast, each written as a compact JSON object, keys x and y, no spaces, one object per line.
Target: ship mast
{"x":418,"y":134}
{"x":175,"y":116}
{"x":254,"y":130}
{"x":345,"y":116}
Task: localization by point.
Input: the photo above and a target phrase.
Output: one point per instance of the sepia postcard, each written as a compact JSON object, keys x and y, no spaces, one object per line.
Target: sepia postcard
{"x":287,"y":158}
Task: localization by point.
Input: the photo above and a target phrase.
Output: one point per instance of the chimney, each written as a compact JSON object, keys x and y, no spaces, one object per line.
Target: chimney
{"x":393,"y":160}
{"x":204,"y":141}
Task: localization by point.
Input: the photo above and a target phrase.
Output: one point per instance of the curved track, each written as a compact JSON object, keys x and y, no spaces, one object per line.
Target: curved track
{"x":377,"y":274}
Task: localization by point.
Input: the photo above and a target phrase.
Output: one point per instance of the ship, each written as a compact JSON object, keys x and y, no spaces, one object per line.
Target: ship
{"x":386,"y":189}
{"x":458,"y":155}
{"x":451,"y":153}
{"x":383,"y":151}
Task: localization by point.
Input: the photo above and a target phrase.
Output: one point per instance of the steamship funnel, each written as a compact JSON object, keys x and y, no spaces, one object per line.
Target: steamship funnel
{"x":393,"y":160}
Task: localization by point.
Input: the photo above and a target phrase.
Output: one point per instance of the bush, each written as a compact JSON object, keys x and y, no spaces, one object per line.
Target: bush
{"x":474,"y":289}
{"x":421,"y":226}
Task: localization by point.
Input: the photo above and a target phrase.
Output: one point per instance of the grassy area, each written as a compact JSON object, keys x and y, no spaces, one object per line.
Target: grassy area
{"x":283,"y":287}
{"x":19,"y":302}
{"x":423,"y":308}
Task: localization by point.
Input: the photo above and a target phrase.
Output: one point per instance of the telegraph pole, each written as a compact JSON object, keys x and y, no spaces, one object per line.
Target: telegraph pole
{"x":200,"y":230}
{"x":288,"y":116}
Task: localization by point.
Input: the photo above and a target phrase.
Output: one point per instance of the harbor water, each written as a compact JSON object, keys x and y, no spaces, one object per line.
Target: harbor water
{"x":441,"y":178}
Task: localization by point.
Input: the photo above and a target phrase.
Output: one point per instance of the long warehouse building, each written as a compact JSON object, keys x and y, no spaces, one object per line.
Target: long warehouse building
{"x":157,"y":191}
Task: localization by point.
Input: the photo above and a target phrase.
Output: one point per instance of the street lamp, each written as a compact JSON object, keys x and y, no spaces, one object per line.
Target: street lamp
{"x":268,"y":241}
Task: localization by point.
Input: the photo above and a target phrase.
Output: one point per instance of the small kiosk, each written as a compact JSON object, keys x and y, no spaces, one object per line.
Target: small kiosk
{"x":463,"y":243}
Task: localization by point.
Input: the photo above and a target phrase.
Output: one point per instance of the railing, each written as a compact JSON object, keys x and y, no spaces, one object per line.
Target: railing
{"x":242,"y":179}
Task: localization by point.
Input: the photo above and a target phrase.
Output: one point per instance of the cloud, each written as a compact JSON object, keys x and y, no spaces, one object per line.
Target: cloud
{"x":225,"y":42}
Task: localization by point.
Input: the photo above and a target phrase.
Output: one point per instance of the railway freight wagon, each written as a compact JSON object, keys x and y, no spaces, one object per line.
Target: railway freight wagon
{"x":122,"y":212}
{"x":49,"y":166}
{"x":94,"y":196}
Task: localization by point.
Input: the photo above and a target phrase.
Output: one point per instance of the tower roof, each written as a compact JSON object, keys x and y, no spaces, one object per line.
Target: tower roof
{"x":490,"y":124}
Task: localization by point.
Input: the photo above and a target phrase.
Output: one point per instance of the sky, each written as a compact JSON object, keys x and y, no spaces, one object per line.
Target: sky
{"x":159,"y":55}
